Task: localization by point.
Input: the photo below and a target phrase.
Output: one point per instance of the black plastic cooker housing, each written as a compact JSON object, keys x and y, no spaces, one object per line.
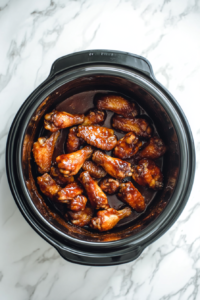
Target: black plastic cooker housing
{"x":131,"y":75}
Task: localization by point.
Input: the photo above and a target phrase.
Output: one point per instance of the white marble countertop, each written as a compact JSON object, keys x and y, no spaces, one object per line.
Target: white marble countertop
{"x":32,"y":35}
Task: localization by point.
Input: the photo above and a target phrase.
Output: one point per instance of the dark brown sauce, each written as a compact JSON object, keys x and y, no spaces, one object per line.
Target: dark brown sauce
{"x":79,"y":104}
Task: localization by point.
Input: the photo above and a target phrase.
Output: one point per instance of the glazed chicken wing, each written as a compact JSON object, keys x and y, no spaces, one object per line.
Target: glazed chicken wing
{"x":73,"y":141}
{"x":95,"y":194}
{"x":118,"y":105}
{"x":59,"y":178}
{"x":128,"y":146}
{"x":130,"y":195}
{"x":61,"y":119}
{"x":43,"y":151}
{"x":94,"y":117}
{"x":107,"y":219}
{"x":69,"y":192}
{"x":155,"y":149}
{"x":78,"y":203}
{"x":93,"y":169}
{"x":109,"y":185}
{"x":139,"y":126}
{"x":69,"y":164}
{"x":116,"y":167}
{"x":100,"y":137}
{"x":80,"y":218}
{"x":48,"y":186}
{"x":148,"y":174}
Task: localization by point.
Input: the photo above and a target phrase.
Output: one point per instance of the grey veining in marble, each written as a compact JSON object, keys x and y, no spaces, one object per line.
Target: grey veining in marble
{"x":32,"y":35}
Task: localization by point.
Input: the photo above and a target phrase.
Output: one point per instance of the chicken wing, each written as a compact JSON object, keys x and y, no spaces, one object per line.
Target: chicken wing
{"x":148,"y":174}
{"x":129,"y":194}
{"x":69,"y":192}
{"x":59,"y":178}
{"x":107,"y":219}
{"x":100,"y":137}
{"x":116,"y":167}
{"x":96,"y":196}
{"x":61,"y":119}
{"x":95,"y":117}
{"x":128,"y":146}
{"x":73,"y":142}
{"x":43,"y":151}
{"x":69,"y":164}
{"x":80,"y":218}
{"x":48,"y":186}
{"x":137,"y":125}
{"x":118,"y":105}
{"x":155,"y":149}
{"x":109,"y":185}
{"x":78,"y":203}
{"x":93,"y":169}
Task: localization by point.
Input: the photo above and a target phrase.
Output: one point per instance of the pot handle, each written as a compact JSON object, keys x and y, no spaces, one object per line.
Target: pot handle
{"x":125,"y":59}
{"x":94,"y":259}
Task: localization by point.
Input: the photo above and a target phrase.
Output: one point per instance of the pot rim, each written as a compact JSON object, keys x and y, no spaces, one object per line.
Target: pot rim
{"x":173,"y":209}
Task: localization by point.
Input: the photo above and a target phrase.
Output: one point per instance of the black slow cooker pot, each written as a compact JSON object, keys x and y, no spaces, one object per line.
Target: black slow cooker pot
{"x":132,"y":76}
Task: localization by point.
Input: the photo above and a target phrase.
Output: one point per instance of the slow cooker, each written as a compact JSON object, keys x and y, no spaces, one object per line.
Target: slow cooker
{"x":132,"y":76}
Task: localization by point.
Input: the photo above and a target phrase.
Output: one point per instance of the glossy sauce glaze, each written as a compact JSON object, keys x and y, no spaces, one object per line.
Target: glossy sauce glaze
{"x":80,"y":104}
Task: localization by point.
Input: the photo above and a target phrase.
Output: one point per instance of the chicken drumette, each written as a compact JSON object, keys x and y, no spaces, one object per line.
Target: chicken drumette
{"x":128,"y":146}
{"x":109,"y":185}
{"x":95,"y":194}
{"x":146,"y":173}
{"x":93,"y":169}
{"x":59,"y":178}
{"x":48,"y":186}
{"x":155,"y":149}
{"x":139,"y":126}
{"x":130,"y":195}
{"x":61,"y":119}
{"x":100,"y":137}
{"x":107,"y":219}
{"x":73,"y":141}
{"x":80,"y":218}
{"x":43,"y":151}
{"x":72,"y":196}
{"x":69,"y":192}
{"x":69,"y":164}
{"x":95,"y":117}
{"x":77,"y":204}
{"x":116,"y":167}
{"x":118,"y":105}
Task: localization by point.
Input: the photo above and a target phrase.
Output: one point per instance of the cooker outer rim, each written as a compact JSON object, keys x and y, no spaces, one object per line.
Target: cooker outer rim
{"x":59,"y":246}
